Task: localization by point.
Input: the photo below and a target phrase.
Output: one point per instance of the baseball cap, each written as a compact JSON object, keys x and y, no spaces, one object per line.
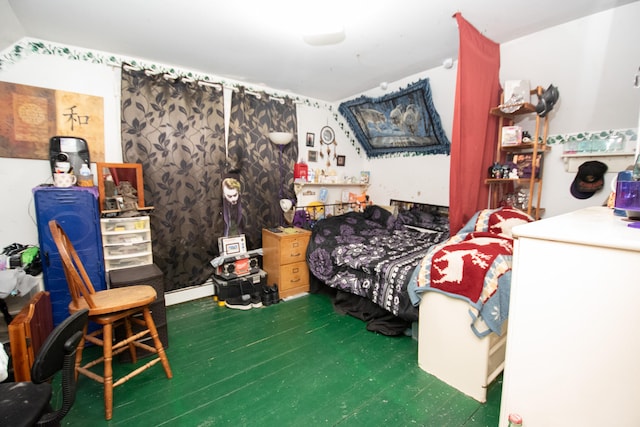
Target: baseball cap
{"x":589,"y":179}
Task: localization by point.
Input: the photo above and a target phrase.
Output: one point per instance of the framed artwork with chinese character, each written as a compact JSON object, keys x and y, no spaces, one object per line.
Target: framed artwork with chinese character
{"x":30,"y":116}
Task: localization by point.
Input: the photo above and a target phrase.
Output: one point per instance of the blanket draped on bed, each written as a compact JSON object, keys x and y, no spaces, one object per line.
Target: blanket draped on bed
{"x":475,"y":267}
{"x":369,"y":255}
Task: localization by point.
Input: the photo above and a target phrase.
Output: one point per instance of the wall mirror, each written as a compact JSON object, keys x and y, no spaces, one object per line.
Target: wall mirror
{"x":120,"y":187}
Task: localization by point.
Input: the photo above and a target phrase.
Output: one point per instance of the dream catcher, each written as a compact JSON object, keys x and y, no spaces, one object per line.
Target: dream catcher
{"x":328,"y":138}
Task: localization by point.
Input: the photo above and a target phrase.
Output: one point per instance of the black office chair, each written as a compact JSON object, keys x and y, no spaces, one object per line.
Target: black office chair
{"x":27,"y":403}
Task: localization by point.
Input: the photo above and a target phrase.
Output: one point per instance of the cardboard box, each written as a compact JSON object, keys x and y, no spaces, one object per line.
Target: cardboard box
{"x":520,"y":88}
{"x":511,"y":135}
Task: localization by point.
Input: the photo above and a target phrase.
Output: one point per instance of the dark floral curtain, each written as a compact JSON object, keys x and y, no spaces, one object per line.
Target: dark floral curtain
{"x":265,"y":170}
{"x":176,"y":131}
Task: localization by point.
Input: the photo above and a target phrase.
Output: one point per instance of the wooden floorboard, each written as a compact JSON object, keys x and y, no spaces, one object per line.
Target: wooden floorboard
{"x":296,"y":363}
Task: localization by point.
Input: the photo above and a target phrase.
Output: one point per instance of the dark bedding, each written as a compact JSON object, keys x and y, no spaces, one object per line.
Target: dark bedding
{"x":373,"y":255}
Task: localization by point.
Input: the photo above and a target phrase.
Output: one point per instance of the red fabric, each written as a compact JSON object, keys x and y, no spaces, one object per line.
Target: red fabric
{"x":460,"y":268}
{"x":474,"y":135}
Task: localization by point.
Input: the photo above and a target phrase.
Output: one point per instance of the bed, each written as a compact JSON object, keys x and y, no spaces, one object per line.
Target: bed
{"x":409,"y":268}
{"x":369,"y":257}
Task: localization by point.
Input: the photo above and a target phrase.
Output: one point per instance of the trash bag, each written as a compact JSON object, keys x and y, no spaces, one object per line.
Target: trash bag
{"x":25,"y":257}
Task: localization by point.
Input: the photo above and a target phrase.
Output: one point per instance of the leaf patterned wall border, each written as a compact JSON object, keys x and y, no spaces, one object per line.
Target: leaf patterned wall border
{"x":26,"y":47}
{"x":630,"y":135}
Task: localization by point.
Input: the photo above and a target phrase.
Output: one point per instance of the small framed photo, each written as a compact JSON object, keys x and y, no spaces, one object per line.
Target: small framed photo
{"x":340,"y":160}
{"x":311,"y":139}
{"x":312,"y":156}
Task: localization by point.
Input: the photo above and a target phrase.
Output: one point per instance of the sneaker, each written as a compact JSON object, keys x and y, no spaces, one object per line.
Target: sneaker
{"x":256,"y":300}
{"x":242,"y":302}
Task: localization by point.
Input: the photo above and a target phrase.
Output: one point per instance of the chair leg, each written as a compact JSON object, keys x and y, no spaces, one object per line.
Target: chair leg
{"x":156,"y":340}
{"x":107,"y":336}
{"x":79,"y":350}
{"x":129,"y":332}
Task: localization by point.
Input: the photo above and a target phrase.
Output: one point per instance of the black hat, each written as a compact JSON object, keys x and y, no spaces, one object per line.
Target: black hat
{"x":547,"y":100}
{"x":589,"y":179}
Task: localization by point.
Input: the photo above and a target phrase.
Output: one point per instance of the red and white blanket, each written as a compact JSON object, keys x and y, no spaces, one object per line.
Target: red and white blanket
{"x":462,"y":265}
{"x":473,"y":266}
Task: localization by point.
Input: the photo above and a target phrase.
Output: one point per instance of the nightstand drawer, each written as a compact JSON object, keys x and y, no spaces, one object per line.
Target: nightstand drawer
{"x":294,"y":275}
{"x":293,"y":249}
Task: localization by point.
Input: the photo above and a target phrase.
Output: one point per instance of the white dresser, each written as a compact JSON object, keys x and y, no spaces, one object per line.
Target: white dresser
{"x":573,"y":354}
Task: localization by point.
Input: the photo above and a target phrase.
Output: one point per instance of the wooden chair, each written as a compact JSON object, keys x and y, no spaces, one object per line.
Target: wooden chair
{"x":108,"y":308}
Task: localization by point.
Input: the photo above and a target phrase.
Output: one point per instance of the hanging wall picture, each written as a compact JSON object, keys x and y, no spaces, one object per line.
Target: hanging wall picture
{"x":30,"y":116}
{"x":405,"y":121}
{"x":310,"y":139}
{"x":328,"y":140}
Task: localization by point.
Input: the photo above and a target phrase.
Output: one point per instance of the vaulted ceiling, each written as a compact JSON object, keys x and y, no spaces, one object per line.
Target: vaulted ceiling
{"x":259,"y":42}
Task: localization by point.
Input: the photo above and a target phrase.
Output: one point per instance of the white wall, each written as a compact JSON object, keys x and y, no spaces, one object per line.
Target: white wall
{"x":591,"y":60}
{"x":20,"y":176}
{"x":417,"y":178}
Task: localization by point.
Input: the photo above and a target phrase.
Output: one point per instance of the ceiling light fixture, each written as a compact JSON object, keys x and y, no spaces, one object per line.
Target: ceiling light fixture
{"x":324,"y":38}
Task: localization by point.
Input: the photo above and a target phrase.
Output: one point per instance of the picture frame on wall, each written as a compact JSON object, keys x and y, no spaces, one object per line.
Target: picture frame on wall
{"x":310,"y":139}
{"x":340,"y":160}
{"x":312,"y":156}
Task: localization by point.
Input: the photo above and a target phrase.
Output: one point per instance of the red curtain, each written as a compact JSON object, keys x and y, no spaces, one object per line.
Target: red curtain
{"x":474,"y":132}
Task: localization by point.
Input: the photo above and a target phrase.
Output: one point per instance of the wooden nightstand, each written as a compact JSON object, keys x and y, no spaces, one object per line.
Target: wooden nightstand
{"x":284,"y":259}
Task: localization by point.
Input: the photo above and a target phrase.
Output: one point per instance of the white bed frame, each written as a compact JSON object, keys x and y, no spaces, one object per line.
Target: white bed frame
{"x":449,"y":350}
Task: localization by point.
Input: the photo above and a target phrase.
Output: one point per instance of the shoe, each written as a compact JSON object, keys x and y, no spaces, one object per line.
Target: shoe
{"x":256,"y":299}
{"x":242,"y":302}
{"x":265,"y":295}
{"x":547,"y":100}
{"x":275,"y":295}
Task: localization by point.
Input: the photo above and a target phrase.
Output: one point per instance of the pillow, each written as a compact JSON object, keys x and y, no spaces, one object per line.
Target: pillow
{"x":497,"y":221}
{"x":380,"y":215}
{"x":423,"y":220}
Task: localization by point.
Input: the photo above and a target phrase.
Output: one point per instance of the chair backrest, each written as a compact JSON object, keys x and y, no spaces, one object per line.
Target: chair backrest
{"x":58,"y":353}
{"x":80,"y":285}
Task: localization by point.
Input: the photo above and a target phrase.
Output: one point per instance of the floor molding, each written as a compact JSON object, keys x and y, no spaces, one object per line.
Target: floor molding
{"x":188,"y":294}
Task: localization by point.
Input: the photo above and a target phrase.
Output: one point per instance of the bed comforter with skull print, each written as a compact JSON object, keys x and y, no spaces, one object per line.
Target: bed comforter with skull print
{"x":373,"y":255}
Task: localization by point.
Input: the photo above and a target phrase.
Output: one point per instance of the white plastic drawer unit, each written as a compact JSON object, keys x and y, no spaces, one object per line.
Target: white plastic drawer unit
{"x":126,"y":242}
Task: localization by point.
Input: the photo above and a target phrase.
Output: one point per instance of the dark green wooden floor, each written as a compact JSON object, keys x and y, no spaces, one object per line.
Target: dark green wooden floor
{"x":297,"y":363}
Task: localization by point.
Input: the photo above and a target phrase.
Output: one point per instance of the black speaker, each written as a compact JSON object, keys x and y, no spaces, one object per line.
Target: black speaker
{"x":69,"y":149}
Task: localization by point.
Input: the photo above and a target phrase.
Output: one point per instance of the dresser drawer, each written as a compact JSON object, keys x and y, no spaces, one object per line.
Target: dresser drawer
{"x":127,"y":249}
{"x":293,"y":249}
{"x":118,"y":238}
{"x":293,"y":275}
{"x":126,"y":262}
{"x":294,"y":279}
